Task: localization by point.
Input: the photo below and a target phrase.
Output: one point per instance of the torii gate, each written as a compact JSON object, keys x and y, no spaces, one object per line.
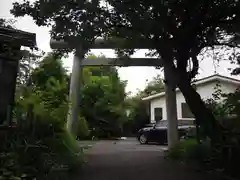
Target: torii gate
{"x":79,"y":61}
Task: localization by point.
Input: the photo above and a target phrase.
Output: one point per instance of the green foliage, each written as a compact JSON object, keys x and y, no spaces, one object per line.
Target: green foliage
{"x":102,"y":95}
{"x":102,"y":101}
{"x":224,"y":105}
{"x":50,"y":66}
{"x":40,"y":149}
{"x":224,"y":154}
{"x":233,"y":102}
{"x":53,"y":98}
{"x":214,"y":157}
{"x":49,"y":87}
{"x":55,"y":149}
{"x":154,"y":86}
{"x":217,"y":104}
{"x":82,"y":129}
{"x":138,"y":115}
{"x":189,"y":151}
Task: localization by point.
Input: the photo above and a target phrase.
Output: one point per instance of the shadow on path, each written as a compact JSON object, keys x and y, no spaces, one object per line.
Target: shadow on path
{"x":125,"y":160}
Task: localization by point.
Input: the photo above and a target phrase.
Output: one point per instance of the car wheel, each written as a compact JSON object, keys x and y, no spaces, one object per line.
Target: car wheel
{"x":143,"y":139}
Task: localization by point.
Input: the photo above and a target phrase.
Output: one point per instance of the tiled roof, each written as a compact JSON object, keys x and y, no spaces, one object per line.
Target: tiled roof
{"x":16,"y":36}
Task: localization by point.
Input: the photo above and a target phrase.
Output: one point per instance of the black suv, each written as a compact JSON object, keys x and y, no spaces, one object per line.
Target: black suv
{"x":158,"y":132}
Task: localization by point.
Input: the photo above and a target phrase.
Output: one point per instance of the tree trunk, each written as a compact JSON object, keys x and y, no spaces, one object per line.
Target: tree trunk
{"x":202,"y":114}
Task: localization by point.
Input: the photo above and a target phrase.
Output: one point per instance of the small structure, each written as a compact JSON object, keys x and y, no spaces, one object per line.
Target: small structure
{"x":205,"y":87}
{"x":11,"y":41}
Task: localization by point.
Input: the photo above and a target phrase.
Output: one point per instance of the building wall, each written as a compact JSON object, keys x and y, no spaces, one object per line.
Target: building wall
{"x":205,"y":90}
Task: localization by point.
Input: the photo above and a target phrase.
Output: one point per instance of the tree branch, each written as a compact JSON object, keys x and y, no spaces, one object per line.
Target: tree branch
{"x":230,"y":44}
{"x":195,"y":67}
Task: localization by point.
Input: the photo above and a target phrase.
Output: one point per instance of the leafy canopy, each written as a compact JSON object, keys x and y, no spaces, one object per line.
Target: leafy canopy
{"x":154,"y":86}
{"x":103,"y":100}
{"x":175,"y":29}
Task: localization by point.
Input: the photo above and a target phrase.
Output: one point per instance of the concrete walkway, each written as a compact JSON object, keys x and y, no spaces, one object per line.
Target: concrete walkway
{"x":127,"y":160}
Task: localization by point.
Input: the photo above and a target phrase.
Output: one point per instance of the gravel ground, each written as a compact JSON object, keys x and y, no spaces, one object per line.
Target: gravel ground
{"x":128,"y":160}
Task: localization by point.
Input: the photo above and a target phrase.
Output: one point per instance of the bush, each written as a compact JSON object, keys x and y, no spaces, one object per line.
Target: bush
{"x":190,"y":150}
{"x":82,"y":131}
{"x":39,"y":149}
{"x":223,"y":154}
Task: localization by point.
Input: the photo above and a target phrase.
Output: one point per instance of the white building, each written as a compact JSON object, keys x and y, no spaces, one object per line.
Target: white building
{"x":205,"y":87}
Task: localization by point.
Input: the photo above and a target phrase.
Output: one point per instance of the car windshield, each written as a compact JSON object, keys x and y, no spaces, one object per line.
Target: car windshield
{"x":164,"y":123}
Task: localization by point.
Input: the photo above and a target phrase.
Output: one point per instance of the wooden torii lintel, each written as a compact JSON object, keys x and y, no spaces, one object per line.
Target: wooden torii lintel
{"x":100,"y":43}
{"x":122,"y":62}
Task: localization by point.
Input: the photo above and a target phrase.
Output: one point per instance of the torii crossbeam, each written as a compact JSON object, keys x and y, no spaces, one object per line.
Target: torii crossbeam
{"x":79,"y":62}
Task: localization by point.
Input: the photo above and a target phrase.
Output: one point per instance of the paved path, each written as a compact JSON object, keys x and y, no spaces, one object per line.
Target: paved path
{"x":127,"y":160}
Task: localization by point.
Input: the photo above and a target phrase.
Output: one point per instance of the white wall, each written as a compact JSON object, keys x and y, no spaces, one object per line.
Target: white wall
{"x":205,"y":90}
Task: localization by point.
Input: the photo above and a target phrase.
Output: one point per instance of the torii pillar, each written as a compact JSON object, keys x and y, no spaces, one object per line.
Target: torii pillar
{"x":171,"y":104}
{"x":75,"y":83}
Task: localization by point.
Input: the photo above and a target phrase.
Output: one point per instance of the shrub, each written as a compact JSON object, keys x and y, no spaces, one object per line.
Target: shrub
{"x":190,"y":150}
{"x":223,"y":154}
{"x":191,"y":133}
{"x":41,"y":149}
{"x":82,"y":128}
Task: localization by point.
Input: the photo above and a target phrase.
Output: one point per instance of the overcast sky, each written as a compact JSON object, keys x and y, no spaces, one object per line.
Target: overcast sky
{"x":136,"y":76}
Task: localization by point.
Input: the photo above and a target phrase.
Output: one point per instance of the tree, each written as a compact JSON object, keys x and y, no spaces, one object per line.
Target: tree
{"x":236,"y":71}
{"x":175,"y":30}
{"x":7,"y":48}
{"x":47,"y":84}
{"x":7,"y":23}
{"x":154,"y":86}
{"x":50,"y":66}
{"x":102,"y":100}
{"x":138,"y":116}
{"x":44,"y":129}
{"x":102,"y":95}
{"x":26,"y":65}
{"x":28,"y":59}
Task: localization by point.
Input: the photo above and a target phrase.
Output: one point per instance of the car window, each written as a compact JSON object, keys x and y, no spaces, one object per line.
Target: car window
{"x":164,"y":123}
{"x":185,"y":122}
{"x":149,"y":125}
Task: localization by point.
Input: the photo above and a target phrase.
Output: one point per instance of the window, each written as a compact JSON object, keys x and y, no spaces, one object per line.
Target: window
{"x":186,"y":112}
{"x":157,"y":114}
